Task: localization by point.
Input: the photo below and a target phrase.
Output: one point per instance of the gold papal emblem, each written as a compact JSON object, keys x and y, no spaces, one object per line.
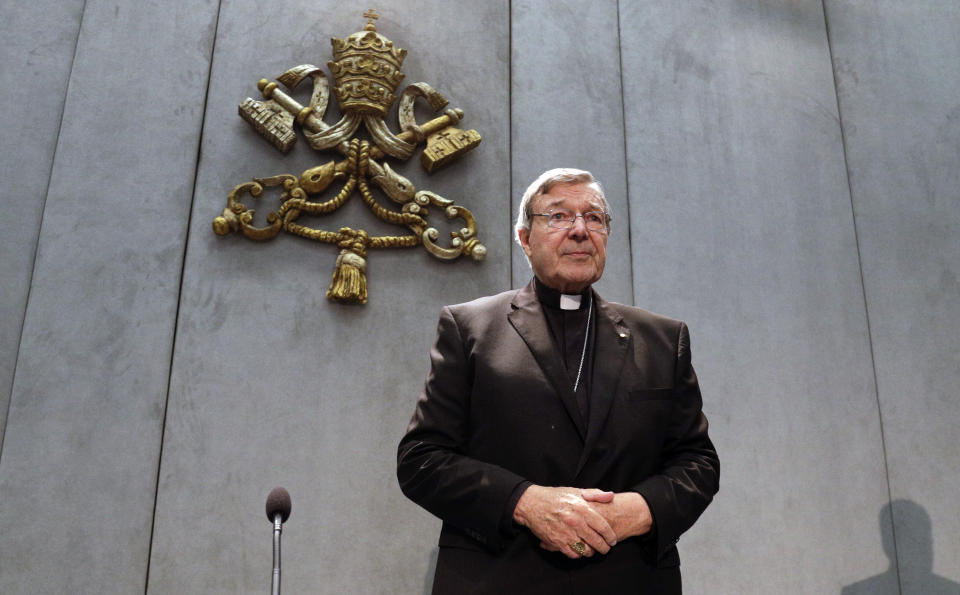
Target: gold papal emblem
{"x":366,"y":73}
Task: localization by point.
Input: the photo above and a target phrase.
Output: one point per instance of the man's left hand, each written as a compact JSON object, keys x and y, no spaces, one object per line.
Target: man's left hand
{"x":628,"y":513}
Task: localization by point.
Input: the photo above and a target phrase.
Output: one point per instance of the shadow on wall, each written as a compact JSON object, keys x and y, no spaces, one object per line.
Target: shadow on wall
{"x":915,"y":549}
{"x":431,"y":569}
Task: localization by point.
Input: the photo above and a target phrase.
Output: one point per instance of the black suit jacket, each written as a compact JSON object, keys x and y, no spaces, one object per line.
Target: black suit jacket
{"x":497,"y":409}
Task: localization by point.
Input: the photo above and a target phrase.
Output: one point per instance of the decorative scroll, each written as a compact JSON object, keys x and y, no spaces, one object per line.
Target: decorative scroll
{"x":366,"y":73}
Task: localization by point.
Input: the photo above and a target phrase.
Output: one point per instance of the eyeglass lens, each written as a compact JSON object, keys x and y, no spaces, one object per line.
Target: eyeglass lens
{"x":564,"y":219}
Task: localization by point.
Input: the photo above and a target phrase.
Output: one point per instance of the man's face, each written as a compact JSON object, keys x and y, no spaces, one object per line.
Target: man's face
{"x":565,"y":259}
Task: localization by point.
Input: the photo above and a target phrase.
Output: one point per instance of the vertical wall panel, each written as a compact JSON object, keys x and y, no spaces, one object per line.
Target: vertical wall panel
{"x":274,"y":385}
{"x":743,"y":228}
{"x":39,"y":39}
{"x":567,"y":112}
{"x":741,"y":223}
{"x":78,"y":471}
{"x":898,"y":73}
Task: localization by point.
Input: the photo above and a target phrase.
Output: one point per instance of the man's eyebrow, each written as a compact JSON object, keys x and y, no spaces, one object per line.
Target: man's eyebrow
{"x":593,"y":205}
{"x":552,"y":203}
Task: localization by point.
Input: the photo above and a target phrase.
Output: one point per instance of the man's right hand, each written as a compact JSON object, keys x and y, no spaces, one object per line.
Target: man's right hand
{"x":560,"y":517}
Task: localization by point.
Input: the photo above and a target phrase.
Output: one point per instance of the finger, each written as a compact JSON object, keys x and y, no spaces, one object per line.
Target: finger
{"x":602,"y":528}
{"x":567,"y":551}
{"x":548,"y":547}
{"x":595,"y":495}
{"x":563,"y":549}
{"x":595,"y":542}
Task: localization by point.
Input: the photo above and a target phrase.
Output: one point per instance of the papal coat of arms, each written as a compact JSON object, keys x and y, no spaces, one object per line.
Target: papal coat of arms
{"x":366,"y":74}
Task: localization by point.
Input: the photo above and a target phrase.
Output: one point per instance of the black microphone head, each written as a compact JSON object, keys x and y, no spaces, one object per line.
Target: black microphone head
{"x":278,"y":501}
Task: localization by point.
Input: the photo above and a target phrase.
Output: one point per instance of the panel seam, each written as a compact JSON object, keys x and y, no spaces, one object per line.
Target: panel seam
{"x":176,"y":318}
{"x":626,"y":158}
{"x":863,"y":289}
{"x":36,"y":245}
{"x":511,"y":243}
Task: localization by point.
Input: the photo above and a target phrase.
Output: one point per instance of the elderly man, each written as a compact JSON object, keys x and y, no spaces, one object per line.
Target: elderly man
{"x":559,"y":437}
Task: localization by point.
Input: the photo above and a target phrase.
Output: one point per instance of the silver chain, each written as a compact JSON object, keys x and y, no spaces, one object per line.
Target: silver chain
{"x":586,"y":335}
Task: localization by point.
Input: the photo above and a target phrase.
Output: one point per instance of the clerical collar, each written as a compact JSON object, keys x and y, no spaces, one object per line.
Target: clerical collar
{"x":562,"y":301}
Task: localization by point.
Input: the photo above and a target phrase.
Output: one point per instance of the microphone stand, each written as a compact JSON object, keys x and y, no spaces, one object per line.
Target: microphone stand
{"x":278,"y":511}
{"x":277,"y":530}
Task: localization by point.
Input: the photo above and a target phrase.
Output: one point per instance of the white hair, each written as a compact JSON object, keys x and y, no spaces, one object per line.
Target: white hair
{"x":548,"y":179}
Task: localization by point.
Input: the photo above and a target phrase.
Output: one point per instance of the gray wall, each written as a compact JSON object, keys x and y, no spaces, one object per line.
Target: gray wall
{"x":784,"y":175}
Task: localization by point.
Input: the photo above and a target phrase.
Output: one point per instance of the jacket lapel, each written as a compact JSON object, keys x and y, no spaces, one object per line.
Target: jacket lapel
{"x":611,"y":347}
{"x":529,"y":321}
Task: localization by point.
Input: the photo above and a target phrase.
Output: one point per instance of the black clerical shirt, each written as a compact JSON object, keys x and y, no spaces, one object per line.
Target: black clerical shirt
{"x":568,"y":327}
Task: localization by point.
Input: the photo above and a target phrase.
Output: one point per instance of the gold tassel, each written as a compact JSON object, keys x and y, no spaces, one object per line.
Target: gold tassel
{"x":349,"y":283}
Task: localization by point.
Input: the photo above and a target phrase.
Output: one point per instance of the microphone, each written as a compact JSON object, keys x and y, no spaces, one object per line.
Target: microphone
{"x":278,"y":511}
{"x":278,"y":502}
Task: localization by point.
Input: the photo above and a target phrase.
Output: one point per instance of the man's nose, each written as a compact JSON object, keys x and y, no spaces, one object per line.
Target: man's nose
{"x":579,"y":229}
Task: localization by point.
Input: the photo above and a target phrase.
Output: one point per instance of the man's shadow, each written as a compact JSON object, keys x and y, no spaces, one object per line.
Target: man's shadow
{"x":431,"y":569}
{"x":914,"y":547}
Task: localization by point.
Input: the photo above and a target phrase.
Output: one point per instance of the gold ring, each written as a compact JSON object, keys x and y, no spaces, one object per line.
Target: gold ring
{"x":579,"y":547}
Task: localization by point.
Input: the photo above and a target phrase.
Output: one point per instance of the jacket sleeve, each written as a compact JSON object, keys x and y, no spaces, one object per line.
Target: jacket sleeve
{"x":690,"y":472}
{"x":434,"y":467}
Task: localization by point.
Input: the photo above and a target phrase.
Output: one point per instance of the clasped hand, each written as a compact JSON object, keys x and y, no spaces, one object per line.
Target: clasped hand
{"x":563,"y":516}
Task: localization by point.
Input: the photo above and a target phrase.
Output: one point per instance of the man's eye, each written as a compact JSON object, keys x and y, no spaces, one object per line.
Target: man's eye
{"x":559,"y":216}
{"x":594,"y":217}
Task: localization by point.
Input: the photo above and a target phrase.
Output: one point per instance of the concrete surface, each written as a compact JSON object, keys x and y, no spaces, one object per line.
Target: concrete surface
{"x":784,"y":179}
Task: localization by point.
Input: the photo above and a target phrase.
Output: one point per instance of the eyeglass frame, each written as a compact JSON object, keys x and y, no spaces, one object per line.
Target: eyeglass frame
{"x":549,"y":214}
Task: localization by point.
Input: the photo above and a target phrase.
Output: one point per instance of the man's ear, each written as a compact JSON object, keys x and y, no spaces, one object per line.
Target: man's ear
{"x":524,"y":236}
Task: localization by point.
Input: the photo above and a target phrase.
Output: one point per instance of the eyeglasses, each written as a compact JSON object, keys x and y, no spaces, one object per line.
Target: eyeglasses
{"x":565,"y":219}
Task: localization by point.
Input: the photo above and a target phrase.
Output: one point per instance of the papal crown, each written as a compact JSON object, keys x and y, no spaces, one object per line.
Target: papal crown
{"x":366,"y":70}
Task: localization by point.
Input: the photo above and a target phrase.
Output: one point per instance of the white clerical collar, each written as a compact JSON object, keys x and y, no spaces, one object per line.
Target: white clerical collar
{"x":552,"y":298}
{"x":570,"y":302}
